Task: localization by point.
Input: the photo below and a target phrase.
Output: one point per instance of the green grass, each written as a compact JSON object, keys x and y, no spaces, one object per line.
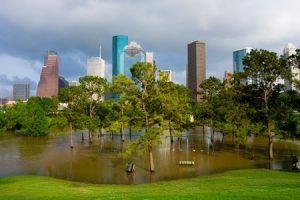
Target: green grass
{"x":242,"y":184}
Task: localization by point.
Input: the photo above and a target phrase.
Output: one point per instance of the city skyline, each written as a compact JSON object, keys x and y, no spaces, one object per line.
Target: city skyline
{"x":162,"y":27}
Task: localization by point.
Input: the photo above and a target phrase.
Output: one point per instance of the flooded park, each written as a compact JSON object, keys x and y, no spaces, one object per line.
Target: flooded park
{"x":100,"y":162}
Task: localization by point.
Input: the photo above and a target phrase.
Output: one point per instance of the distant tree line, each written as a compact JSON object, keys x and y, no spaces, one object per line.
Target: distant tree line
{"x":150,"y":106}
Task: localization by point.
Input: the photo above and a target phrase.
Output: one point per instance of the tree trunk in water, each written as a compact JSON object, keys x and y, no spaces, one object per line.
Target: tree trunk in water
{"x":146,"y":118}
{"x":271,"y":136}
{"x":130,"y":132}
{"x":213,"y":135}
{"x":82,"y":137}
{"x":170,"y":130}
{"x":222,"y":137}
{"x":90,"y":132}
{"x":101,"y":132}
{"x":90,"y":137}
{"x":71,"y":136}
{"x":122,"y":128}
{"x":122,"y":134}
{"x":203,"y":134}
{"x":151,"y":159}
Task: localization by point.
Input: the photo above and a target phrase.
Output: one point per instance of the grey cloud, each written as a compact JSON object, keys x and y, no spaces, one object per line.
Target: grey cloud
{"x":6,"y":84}
{"x":76,"y":28}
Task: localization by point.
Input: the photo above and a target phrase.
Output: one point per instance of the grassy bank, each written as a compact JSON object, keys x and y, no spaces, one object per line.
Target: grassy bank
{"x":244,"y":184}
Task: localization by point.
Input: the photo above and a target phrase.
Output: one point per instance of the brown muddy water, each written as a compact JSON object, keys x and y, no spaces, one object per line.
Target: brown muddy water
{"x":100,"y":162}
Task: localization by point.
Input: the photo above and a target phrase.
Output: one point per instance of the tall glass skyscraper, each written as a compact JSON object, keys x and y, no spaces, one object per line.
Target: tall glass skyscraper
{"x":238,"y":56}
{"x":118,"y":44}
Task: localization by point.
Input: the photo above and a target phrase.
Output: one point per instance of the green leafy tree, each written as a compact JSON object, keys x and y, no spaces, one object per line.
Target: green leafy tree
{"x":143,"y":74}
{"x":73,"y":98}
{"x":287,"y":118}
{"x":34,"y":122}
{"x":14,"y":115}
{"x":2,"y":120}
{"x":106,"y":115}
{"x":27,"y":118}
{"x":174,"y":106}
{"x":126,"y":89}
{"x":94,"y":89}
{"x":236,"y":112}
{"x":210,"y":90}
{"x":267,"y":68}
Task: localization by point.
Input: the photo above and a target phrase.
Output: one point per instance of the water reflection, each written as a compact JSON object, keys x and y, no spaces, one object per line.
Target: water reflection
{"x":100,"y":162}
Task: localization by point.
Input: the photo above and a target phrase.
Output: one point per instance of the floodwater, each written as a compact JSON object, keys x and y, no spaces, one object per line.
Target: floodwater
{"x":100,"y":162}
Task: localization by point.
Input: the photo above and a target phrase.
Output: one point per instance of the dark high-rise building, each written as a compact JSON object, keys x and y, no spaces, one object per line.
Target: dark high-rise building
{"x":48,"y":84}
{"x":196,"y":67}
{"x":62,"y":83}
{"x":21,"y":91}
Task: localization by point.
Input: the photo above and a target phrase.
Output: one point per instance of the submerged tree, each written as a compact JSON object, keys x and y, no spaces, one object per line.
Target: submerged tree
{"x":174,"y":106}
{"x":27,"y":118}
{"x":94,"y":89}
{"x":210,"y":91}
{"x":73,"y":97}
{"x":143,"y":75}
{"x":126,"y":89}
{"x":265,"y":68}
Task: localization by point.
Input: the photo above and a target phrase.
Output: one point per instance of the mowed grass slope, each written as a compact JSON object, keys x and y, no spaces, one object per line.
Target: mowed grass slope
{"x":242,"y":184}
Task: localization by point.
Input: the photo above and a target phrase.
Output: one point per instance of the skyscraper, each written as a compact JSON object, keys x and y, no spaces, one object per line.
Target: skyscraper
{"x":289,"y":50}
{"x":150,"y":57}
{"x":196,"y":67}
{"x":96,"y":67}
{"x":21,"y":91}
{"x":118,"y":44}
{"x":238,"y":56}
{"x":48,"y":84}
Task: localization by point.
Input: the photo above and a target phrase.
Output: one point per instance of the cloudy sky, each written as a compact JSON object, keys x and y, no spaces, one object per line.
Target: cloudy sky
{"x":76,"y":28}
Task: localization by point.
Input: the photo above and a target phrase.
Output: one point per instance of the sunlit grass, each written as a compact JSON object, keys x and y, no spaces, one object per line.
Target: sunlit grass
{"x":242,"y":184}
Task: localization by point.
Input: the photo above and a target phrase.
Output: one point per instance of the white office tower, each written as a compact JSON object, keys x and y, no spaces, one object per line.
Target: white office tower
{"x":289,"y":50}
{"x":96,"y":66}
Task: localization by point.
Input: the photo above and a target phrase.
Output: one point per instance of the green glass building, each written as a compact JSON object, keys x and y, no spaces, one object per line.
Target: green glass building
{"x":118,"y":44}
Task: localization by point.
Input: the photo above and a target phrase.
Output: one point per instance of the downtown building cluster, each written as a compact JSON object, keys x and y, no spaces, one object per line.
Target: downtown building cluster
{"x":125,"y":53}
{"x":238,"y":66}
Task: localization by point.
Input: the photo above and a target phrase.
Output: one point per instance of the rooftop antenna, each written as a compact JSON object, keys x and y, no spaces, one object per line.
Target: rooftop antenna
{"x":100,"y":51}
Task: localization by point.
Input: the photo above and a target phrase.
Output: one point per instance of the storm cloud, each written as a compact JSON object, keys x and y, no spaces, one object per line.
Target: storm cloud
{"x":76,"y":28}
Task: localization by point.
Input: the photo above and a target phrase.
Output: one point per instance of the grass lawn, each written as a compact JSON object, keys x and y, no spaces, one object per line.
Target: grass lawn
{"x":241,"y":184}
